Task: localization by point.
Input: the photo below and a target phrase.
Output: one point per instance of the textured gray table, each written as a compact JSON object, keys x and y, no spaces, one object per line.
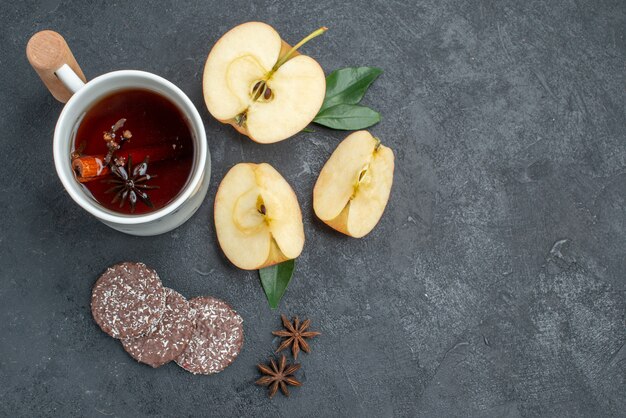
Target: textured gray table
{"x":494,"y":285}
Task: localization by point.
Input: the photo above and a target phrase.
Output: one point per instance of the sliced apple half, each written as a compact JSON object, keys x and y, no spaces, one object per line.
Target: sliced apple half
{"x":256,"y":82}
{"x":353,"y":188}
{"x":257,"y":217}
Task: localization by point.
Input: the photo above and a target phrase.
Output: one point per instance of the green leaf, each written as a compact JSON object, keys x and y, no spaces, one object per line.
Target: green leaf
{"x":275,"y":280}
{"x":348,"y":85}
{"x":347,"y":117}
{"x":308,"y":130}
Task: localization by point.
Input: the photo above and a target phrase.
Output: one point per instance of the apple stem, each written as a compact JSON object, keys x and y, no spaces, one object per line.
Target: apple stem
{"x":260,"y":90}
{"x":293,"y":49}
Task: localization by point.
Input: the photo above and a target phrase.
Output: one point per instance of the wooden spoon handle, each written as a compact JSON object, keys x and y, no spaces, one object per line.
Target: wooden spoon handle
{"x":47,"y":52}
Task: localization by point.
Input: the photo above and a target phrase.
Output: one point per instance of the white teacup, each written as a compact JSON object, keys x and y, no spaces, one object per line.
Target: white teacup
{"x":81,"y":97}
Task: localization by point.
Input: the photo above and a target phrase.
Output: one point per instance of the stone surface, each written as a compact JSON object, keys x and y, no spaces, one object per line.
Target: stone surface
{"x":493,"y":286}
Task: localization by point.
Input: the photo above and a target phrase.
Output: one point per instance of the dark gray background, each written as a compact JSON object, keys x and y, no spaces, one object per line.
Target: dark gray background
{"x":493,"y":286}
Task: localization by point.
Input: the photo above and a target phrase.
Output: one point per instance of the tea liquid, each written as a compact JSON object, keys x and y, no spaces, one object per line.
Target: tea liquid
{"x":155,"y":124}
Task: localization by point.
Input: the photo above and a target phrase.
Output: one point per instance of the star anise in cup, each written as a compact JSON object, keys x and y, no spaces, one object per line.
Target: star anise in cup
{"x":129,"y":183}
{"x":295,"y":335}
{"x":278,"y":376}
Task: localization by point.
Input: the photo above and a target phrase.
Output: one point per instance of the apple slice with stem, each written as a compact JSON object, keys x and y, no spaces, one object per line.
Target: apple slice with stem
{"x":257,"y":217}
{"x":353,"y":188}
{"x":260,"y":85}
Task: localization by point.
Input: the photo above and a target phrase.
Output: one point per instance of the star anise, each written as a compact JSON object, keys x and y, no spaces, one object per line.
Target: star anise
{"x":278,"y":376}
{"x":129,"y":184}
{"x":295,"y":334}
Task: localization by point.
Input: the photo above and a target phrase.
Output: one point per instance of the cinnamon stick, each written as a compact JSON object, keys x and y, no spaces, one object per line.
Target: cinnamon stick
{"x":91,"y":167}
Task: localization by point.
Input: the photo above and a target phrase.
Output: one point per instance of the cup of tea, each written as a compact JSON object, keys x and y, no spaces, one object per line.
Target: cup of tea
{"x":129,"y":146}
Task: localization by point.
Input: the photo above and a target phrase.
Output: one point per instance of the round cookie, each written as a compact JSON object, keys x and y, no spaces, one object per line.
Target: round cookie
{"x":128,"y":300}
{"x":217,"y":337}
{"x":170,"y":337}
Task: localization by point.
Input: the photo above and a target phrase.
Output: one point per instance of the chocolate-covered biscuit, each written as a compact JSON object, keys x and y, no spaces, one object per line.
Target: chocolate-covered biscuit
{"x":217,"y":337}
{"x":128,"y":300}
{"x":170,"y":337}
